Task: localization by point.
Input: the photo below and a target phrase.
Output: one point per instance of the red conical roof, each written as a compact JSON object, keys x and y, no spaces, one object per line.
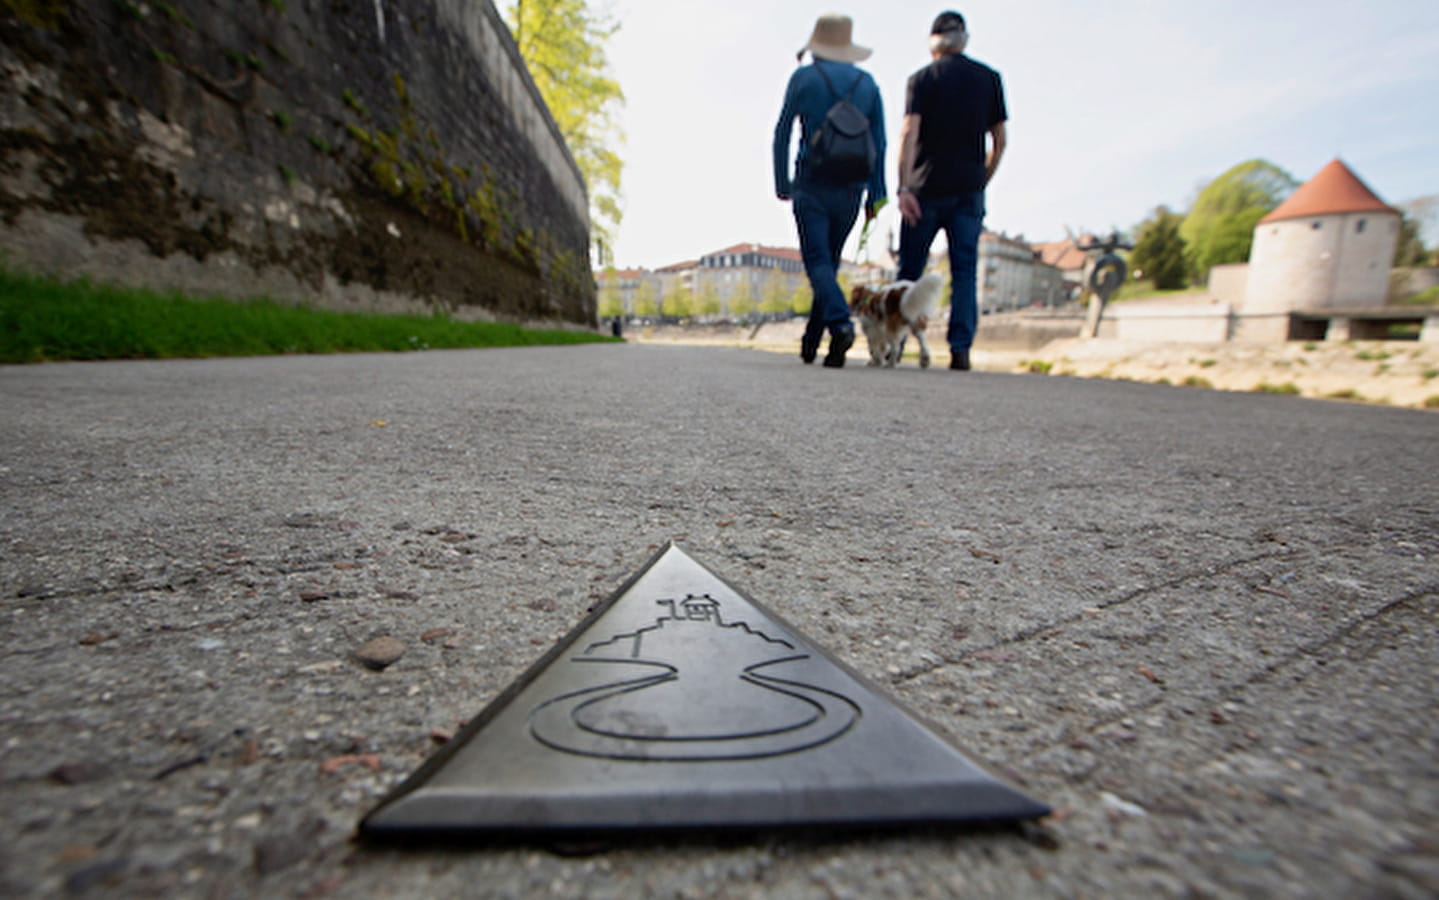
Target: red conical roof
{"x":1334,"y":190}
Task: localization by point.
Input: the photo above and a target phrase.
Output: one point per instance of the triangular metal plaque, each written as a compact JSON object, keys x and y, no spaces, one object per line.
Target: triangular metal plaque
{"x":682,"y":703}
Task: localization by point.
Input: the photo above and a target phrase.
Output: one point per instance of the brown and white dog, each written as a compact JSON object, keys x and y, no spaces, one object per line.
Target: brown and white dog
{"x":888,"y":311}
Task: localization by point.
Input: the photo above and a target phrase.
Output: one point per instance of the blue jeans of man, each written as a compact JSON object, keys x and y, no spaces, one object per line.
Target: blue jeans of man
{"x":825,"y":213}
{"x":961,"y":216}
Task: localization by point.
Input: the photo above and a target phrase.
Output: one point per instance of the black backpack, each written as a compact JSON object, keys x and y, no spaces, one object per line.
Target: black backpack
{"x":843,"y":148}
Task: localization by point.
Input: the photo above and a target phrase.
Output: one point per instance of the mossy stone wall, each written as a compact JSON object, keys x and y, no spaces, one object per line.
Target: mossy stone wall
{"x":354,"y":154}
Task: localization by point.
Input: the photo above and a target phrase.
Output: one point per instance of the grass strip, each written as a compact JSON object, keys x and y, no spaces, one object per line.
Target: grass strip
{"x":49,"y":319}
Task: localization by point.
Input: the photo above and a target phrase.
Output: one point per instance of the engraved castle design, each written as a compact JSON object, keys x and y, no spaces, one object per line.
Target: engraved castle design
{"x":691,"y":687}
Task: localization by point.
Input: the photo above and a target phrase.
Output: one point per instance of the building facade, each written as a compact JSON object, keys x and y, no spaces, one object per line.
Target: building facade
{"x":747,"y":278}
{"x":1012,"y":275}
{"x":1329,"y":246}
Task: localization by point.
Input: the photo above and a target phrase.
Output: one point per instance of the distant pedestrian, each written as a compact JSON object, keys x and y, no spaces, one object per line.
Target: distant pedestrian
{"x":828,"y":182}
{"x":951,"y":106}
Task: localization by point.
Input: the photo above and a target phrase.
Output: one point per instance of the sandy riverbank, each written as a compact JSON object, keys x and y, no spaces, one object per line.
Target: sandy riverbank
{"x":1393,"y":373}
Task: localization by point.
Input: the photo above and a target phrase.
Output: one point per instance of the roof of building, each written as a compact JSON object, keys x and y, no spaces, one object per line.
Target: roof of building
{"x":1335,"y":190}
{"x":1064,"y":254}
{"x":781,"y":252}
{"x":679,"y":266}
{"x":620,"y":273}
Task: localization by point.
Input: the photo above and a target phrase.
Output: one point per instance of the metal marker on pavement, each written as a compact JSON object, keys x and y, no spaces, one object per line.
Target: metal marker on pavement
{"x":682,"y":703}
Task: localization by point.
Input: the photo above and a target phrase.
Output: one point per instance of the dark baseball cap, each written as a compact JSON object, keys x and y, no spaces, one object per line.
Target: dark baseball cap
{"x":947,"y":21}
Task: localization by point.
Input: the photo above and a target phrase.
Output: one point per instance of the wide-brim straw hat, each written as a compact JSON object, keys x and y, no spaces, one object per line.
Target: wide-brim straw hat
{"x":833,"y":38}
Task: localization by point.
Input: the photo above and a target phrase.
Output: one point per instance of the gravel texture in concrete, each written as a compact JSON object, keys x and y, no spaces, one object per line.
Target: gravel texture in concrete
{"x":242,"y":598}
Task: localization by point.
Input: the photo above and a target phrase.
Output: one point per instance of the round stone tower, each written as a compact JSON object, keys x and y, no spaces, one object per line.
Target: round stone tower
{"x":1329,"y":246}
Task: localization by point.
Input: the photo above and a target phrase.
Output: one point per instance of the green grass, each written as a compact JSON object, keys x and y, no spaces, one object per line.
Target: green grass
{"x":1140,"y":290}
{"x":1424,"y":298}
{"x":46,"y":319}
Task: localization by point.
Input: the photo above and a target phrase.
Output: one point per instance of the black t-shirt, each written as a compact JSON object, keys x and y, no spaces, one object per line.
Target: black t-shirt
{"x":958,"y":101}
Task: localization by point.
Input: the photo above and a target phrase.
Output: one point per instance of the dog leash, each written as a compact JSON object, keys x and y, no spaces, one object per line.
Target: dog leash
{"x":868,"y":223}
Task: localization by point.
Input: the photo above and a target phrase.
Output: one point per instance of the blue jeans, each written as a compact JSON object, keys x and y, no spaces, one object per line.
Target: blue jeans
{"x":825,"y":214}
{"x":962,"y":218}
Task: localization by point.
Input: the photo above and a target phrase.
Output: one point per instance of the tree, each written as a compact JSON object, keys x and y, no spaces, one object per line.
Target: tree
{"x":679,"y":302}
{"x":707,"y":303}
{"x":802,"y":299}
{"x":741,"y":302}
{"x":1425,"y":212}
{"x":645,"y":302}
{"x":775,"y":296}
{"x":611,"y":303}
{"x":1220,"y":226}
{"x":1159,"y":250}
{"x":1410,"y":250}
{"x":563,"y":44}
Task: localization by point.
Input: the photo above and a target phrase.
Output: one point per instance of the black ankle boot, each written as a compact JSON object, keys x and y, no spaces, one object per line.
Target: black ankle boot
{"x":839,"y":344}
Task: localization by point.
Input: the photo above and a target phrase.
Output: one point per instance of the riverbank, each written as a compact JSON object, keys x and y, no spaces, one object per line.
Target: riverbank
{"x":1387,"y":373}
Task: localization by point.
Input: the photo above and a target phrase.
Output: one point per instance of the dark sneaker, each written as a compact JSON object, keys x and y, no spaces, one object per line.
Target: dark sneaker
{"x":839,"y":344}
{"x":959,"y":360}
{"x":809,"y":347}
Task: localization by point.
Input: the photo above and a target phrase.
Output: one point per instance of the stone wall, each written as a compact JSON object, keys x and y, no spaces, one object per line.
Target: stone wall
{"x":1406,"y":282}
{"x":354,"y":154}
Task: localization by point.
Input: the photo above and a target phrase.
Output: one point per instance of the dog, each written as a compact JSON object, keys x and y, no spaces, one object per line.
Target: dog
{"x":887,"y":312}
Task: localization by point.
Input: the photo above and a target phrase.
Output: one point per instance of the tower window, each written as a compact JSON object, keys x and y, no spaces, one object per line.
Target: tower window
{"x":1359,"y":227}
{"x":1317,"y":225}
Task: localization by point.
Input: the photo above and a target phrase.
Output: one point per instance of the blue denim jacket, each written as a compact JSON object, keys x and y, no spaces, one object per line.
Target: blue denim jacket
{"x":809,"y":98}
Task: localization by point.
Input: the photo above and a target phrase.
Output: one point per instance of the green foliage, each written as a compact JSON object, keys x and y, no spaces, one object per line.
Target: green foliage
{"x":46,"y":319}
{"x":645,"y":302}
{"x":41,"y":13}
{"x":802,"y":300}
{"x":1159,"y":251}
{"x":353,"y":102}
{"x":563,"y":44}
{"x":679,"y":302}
{"x":742,"y":302}
{"x":775,"y":296}
{"x":708,"y":301}
{"x":281,"y":119}
{"x":1287,"y":387}
{"x":174,"y":15}
{"x":1410,"y":251}
{"x":1423,"y":298}
{"x":1220,"y":226}
{"x":246,"y":60}
{"x":610,"y":304}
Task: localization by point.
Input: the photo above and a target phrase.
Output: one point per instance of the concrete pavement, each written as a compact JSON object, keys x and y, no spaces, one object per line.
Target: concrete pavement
{"x":1199,"y":624}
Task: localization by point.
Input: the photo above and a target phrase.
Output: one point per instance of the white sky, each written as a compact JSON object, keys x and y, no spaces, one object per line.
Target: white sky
{"x":1115,"y":107}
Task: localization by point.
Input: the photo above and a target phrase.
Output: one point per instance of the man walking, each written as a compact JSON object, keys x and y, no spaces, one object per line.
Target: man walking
{"x":826,"y":195}
{"x":951,"y":106}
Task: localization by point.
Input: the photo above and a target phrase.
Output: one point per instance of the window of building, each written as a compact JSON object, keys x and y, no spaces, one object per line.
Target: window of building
{"x":1359,"y":227}
{"x":1317,"y":225}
